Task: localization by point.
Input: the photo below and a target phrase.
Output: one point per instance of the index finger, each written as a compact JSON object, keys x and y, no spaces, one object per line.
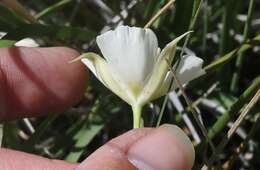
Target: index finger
{"x":35,"y":81}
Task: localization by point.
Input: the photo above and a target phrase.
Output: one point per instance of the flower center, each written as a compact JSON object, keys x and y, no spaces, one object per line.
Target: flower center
{"x":135,"y":88}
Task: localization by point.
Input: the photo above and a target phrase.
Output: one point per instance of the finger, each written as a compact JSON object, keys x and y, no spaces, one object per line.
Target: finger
{"x":34,"y":81}
{"x":13,"y":160}
{"x":164,"y":148}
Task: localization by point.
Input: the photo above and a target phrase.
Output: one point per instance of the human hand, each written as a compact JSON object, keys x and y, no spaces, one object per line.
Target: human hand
{"x":34,"y":81}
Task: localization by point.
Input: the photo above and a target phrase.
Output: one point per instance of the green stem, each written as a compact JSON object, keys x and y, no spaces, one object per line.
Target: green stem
{"x":221,"y":61}
{"x":226,"y":20}
{"x":240,"y":58}
{"x":205,"y":27}
{"x":223,"y":120}
{"x":52,"y":8}
{"x":137,"y":116}
{"x":162,"y":111}
{"x":195,"y":12}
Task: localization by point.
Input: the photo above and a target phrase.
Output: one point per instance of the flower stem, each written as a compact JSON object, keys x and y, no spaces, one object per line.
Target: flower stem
{"x":137,"y":116}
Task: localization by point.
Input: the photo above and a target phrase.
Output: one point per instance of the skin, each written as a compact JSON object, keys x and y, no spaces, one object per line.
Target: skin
{"x":34,"y":81}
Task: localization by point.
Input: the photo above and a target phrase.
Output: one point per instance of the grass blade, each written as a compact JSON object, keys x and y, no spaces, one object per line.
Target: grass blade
{"x":224,"y":119}
{"x":6,"y":43}
{"x":83,"y":138}
{"x":227,"y":57}
{"x":52,"y":8}
{"x":159,"y":13}
{"x":19,"y":9}
{"x":235,"y":126}
{"x":39,"y":131}
{"x":240,"y":58}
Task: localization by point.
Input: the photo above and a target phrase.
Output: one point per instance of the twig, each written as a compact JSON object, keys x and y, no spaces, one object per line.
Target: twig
{"x":52,"y":8}
{"x":194,"y":113}
{"x":243,"y":145}
{"x":224,"y":119}
{"x":147,"y":25}
{"x":28,"y":125}
{"x":233,"y":129}
{"x":23,"y":135}
{"x":191,"y":26}
{"x":243,"y":114}
{"x":205,"y":95}
{"x":160,"y":12}
{"x":213,"y":106}
{"x":118,"y":19}
{"x":178,"y":105}
{"x":19,"y":9}
{"x":162,"y":110}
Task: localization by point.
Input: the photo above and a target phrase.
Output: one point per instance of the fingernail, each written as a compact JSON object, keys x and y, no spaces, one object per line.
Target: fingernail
{"x":183,"y":139}
{"x":166,"y":148}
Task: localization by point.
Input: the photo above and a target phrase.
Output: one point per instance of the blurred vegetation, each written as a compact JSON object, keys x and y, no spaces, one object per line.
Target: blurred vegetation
{"x":226,"y":35}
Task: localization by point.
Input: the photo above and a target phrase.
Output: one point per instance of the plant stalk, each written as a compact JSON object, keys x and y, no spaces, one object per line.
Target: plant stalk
{"x":137,"y":116}
{"x":240,"y":58}
{"x":223,"y":120}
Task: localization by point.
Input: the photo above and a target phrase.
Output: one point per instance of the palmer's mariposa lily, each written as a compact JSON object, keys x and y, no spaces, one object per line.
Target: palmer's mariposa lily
{"x":135,"y":69}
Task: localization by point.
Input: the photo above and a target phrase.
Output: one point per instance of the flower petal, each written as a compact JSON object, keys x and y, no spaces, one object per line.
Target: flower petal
{"x":190,"y":67}
{"x":2,"y":34}
{"x":27,"y":42}
{"x":130,"y":51}
{"x":100,"y":69}
{"x":160,"y":70}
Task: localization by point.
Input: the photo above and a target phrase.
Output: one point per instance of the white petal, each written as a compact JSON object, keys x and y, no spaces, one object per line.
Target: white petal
{"x":100,"y":69}
{"x":160,"y":70}
{"x":131,"y":52}
{"x":190,"y":67}
{"x":89,"y":62}
{"x":164,"y":87}
{"x":2,"y":34}
{"x":26,"y":42}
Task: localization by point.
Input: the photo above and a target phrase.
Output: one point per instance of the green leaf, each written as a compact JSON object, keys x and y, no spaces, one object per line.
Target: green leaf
{"x":83,"y":138}
{"x":240,"y":59}
{"x":52,"y":8}
{"x":227,"y":57}
{"x":11,"y":136}
{"x":6,"y":43}
{"x":235,"y":108}
{"x":41,"y":129}
{"x":85,"y":135}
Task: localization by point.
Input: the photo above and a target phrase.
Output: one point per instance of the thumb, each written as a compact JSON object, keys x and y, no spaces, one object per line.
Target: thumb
{"x":166,"y":147}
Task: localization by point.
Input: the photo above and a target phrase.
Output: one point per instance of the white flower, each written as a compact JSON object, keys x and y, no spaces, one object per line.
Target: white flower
{"x":135,"y":68}
{"x":2,"y":34}
{"x":27,"y":42}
